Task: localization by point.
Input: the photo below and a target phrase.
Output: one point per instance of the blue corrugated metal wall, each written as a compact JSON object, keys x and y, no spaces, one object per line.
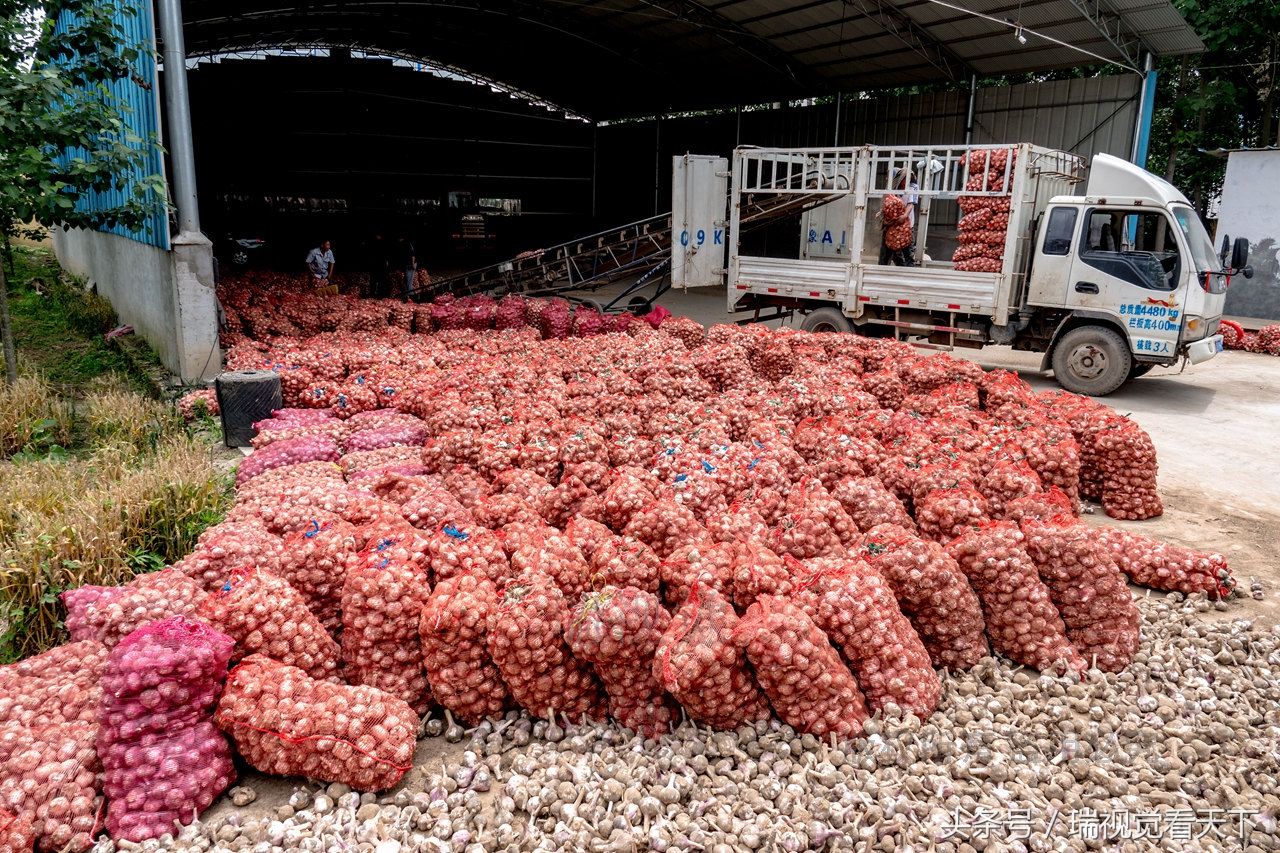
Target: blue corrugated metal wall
{"x":138,"y":97}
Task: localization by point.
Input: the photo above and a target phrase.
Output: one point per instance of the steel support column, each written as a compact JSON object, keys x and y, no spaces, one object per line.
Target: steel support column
{"x":973,"y":99}
{"x":1146,"y":106}
{"x":177,"y":119}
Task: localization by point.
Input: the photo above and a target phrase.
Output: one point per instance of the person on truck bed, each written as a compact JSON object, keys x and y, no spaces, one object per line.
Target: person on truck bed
{"x":905,"y":183}
{"x":320,"y":263}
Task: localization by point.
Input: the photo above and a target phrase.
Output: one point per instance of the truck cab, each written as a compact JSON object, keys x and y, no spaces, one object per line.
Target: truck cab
{"x":1130,"y":275}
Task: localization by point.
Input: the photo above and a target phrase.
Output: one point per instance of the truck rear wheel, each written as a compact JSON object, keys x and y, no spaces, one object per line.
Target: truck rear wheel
{"x":1091,"y":360}
{"x":826,"y":320}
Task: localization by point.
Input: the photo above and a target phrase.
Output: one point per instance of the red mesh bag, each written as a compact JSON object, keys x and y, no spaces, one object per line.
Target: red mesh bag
{"x":622,"y":561}
{"x":617,"y":631}
{"x":857,"y":609}
{"x":108,"y":614}
{"x":460,"y":549}
{"x":510,"y":312}
{"x":370,"y":459}
{"x":455,"y":653}
{"x":587,"y":535}
{"x":16,"y":833}
{"x":897,"y":236}
{"x":944,"y":514}
{"x":315,"y":562}
{"x":263,"y":614}
{"x":1022,"y":621}
{"x":271,"y":430}
{"x":1088,"y":590}
{"x":698,"y":663}
{"x":703,"y":562}
{"x":624,"y":497}
{"x":228,"y":546}
{"x":588,"y":322}
{"x":285,"y":723}
{"x":1006,"y":481}
{"x":1039,"y":505}
{"x":1161,"y":565}
{"x":392,"y":435}
{"x":163,"y":760}
{"x":775,"y":359}
{"x":1127,"y":459}
{"x":497,"y":511}
{"x":868,"y":503}
{"x":382,"y":601}
{"x":802,"y":674}
{"x":757,"y":571}
{"x":551,"y":553}
{"x":556,"y":320}
{"x":430,"y":505}
{"x":687,"y":330}
{"x":57,"y":686}
{"x":569,"y":498}
{"x":664,"y":526}
{"x":701,"y":493}
{"x":815,"y":525}
{"x":314,"y":448}
{"x":526,"y":641}
{"x":932,"y":592}
{"x":1054,"y":454}
{"x":50,"y":780}
{"x":742,"y":523}
{"x":893,"y":209}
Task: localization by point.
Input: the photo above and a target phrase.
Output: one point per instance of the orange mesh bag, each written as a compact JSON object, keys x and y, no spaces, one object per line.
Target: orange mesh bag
{"x":664,"y":526}
{"x":757,"y":571}
{"x":1128,"y":462}
{"x":453,"y":631}
{"x":526,"y":641}
{"x":1022,"y":621}
{"x":108,"y":614}
{"x":285,"y":723}
{"x":549,"y":552}
{"x":163,"y":761}
{"x":1039,"y":505}
{"x":617,"y":631}
{"x":932,"y":592}
{"x":698,"y":663}
{"x":459,"y":549}
{"x":869,"y":503}
{"x":623,"y":561}
{"x":263,"y":614}
{"x":856,"y":607}
{"x":702,"y":562}
{"x":802,"y":674}
{"x":1088,"y":590}
{"x":382,"y":601}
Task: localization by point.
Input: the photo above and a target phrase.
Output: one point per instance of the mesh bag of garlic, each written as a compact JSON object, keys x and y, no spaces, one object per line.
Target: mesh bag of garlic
{"x":314,"y":562}
{"x":1161,"y":565}
{"x":702,"y":562}
{"x":809,"y":686}
{"x":1008,"y":480}
{"x":227,"y":546}
{"x":526,"y":641}
{"x":1088,"y":590}
{"x":587,"y":535}
{"x":382,"y":600}
{"x":1128,"y":462}
{"x":459,"y":549}
{"x":163,"y":761}
{"x":623,"y":561}
{"x":943,"y":514}
{"x":856,"y":607}
{"x":107,"y":614}
{"x":868,"y":503}
{"x":313,"y":448}
{"x":1040,"y":505}
{"x":61,"y":685}
{"x":1022,"y":621}
{"x":757,"y":571}
{"x":50,"y":777}
{"x":665,"y":525}
{"x":544,"y":550}
{"x":263,"y":614}
{"x":455,"y":654}
{"x":16,"y":834}
{"x":698,"y":663}
{"x":932,"y":592}
{"x":286,"y":723}
{"x":617,"y":631}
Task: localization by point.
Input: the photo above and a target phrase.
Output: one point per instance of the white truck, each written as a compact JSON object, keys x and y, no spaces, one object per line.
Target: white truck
{"x":1107,"y":284}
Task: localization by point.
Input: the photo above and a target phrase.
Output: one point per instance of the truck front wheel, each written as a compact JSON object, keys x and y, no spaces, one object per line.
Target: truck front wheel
{"x":1091,"y":360}
{"x":826,"y":320}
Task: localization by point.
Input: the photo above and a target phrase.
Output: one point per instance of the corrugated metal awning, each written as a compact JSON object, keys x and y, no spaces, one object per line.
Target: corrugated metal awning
{"x":612,"y":58}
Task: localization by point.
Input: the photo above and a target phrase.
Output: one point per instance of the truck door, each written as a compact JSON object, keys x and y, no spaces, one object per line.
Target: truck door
{"x":1127,"y":264}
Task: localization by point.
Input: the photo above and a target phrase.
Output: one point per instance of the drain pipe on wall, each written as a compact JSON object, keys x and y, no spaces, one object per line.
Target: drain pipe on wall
{"x":973,"y":97}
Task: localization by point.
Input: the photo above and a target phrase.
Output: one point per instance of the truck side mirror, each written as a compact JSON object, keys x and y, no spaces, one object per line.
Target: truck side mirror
{"x":1239,"y":253}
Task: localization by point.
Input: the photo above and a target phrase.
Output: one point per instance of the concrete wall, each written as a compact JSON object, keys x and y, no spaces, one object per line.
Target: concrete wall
{"x":167,"y":296}
{"x":1251,"y":209}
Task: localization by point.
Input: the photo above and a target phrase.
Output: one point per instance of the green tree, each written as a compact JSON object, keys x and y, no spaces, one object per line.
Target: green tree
{"x":62,"y":131}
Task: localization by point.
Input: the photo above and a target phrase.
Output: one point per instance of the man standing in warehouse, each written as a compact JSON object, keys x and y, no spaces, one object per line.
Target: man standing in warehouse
{"x":320,"y":263}
{"x":405,"y":258}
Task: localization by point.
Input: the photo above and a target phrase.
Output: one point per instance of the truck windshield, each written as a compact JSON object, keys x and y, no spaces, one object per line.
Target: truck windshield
{"x":1202,"y":253}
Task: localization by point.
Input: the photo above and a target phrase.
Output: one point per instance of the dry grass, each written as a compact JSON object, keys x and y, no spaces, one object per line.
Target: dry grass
{"x":114,"y":414}
{"x":95,"y":520}
{"x":33,"y":417}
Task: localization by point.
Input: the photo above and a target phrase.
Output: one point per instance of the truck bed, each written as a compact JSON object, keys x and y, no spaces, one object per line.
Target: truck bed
{"x":925,"y":288}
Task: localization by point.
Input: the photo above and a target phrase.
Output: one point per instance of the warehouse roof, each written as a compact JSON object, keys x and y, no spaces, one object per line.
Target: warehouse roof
{"x":614,"y":58}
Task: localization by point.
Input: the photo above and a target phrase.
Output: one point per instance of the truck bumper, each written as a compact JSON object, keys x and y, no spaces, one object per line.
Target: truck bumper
{"x":1205,"y":349}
